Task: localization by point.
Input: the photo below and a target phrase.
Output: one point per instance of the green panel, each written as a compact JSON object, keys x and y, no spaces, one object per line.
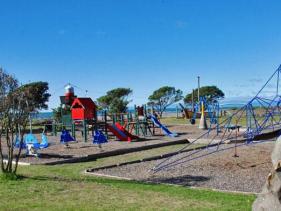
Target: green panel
{"x":66,"y":119}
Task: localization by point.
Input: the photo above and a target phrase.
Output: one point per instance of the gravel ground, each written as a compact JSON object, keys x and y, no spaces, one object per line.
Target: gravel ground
{"x":80,"y":148}
{"x":221,"y":170}
{"x":58,"y":152}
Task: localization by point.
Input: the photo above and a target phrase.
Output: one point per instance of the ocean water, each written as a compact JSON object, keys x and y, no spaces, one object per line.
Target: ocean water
{"x":172,"y":109}
{"x":43,"y":115}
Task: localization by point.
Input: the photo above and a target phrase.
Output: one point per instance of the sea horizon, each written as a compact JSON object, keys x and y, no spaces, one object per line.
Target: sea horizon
{"x":172,"y":109}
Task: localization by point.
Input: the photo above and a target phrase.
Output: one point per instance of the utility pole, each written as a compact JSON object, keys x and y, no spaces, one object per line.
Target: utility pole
{"x":192,"y":100}
{"x":198,"y":77}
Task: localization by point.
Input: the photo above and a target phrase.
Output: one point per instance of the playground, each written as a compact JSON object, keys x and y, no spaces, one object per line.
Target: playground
{"x":82,"y":151}
{"x":205,"y":149}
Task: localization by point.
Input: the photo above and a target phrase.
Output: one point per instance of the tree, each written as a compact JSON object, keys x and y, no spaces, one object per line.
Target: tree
{"x":164,"y":97}
{"x":16,"y":105}
{"x":211,"y":93}
{"x":115,"y":100}
{"x":59,"y":111}
{"x":36,"y":94}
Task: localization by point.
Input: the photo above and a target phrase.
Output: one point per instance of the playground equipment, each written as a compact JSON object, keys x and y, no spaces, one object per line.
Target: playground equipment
{"x":187,"y":113}
{"x":99,"y":138}
{"x":163,"y":128}
{"x":203,"y":123}
{"x":262,"y":115}
{"x":31,"y":144}
{"x":142,"y":122}
{"x":83,"y":115}
{"x":121,"y":135}
{"x":78,"y":114}
{"x":130,"y":135}
{"x":136,"y":122}
{"x":211,"y":112}
{"x":83,"y":110}
{"x":66,"y":137}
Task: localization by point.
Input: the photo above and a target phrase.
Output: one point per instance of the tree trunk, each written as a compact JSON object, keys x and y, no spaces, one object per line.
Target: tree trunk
{"x":21,"y":133}
{"x":10,"y":156}
{"x":19,"y":153}
{"x":1,"y":154}
{"x":11,"y":149}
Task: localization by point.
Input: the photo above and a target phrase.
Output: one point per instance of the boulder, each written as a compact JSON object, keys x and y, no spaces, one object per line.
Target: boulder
{"x":270,"y":197}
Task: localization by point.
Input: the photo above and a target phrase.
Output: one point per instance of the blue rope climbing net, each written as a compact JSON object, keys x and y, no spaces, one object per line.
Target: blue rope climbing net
{"x":261,"y":115}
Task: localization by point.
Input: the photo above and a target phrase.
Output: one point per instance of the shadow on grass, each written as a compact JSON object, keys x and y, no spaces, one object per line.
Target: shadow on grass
{"x":5,"y":177}
{"x":132,"y":184}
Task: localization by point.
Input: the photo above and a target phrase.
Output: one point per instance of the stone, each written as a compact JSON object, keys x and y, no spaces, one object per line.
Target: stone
{"x":276,"y":154}
{"x":270,"y":197}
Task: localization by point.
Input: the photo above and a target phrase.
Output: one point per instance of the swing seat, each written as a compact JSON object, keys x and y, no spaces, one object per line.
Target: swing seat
{"x":66,"y":137}
{"x":44,"y":143}
{"x":30,"y":139}
{"x":99,"y":137}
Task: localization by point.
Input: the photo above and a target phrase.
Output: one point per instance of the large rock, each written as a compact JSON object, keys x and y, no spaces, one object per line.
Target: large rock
{"x":276,"y":154}
{"x":270,"y":197}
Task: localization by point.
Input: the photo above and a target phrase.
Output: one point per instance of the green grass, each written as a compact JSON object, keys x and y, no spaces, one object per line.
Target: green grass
{"x":174,"y":121}
{"x":64,"y":187}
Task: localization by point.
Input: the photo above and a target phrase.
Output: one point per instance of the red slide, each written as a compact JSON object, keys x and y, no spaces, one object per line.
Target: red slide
{"x":118,"y":133}
{"x":120,"y":127}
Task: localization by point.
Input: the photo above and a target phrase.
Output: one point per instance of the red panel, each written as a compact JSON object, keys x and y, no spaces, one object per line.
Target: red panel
{"x":78,"y":113}
{"x":87,"y":112}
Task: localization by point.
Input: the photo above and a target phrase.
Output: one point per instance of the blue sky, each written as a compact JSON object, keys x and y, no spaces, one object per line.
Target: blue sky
{"x":141,"y":44}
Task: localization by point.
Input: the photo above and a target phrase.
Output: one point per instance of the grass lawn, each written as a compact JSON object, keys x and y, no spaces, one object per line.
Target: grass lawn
{"x":64,"y":187}
{"x":174,"y":121}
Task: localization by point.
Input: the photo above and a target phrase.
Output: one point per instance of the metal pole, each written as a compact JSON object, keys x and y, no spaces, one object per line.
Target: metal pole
{"x":278,"y":82}
{"x":85,"y":130}
{"x":192,"y":100}
{"x":73,"y":130}
{"x":198,"y":77}
{"x":199,"y":104}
